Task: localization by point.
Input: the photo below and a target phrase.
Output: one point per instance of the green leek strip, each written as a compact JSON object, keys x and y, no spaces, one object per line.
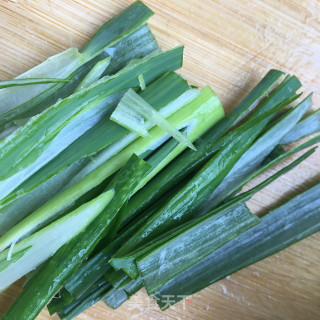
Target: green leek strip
{"x":254,"y":156}
{"x":59,"y":66}
{"x":152,"y":67}
{"x":194,"y":242}
{"x":63,"y":64}
{"x":59,"y":304}
{"x":114,"y":298}
{"x":135,"y":106}
{"x":305,"y":127}
{"x":98,"y":265}
{"x":94,"y":74}
{"x":280,"y":228}
{"x":128,"y":118}
{"x":84,"y":303}
{"x":198,"y":123}
{"x":181,"y":207}
{"x":124,"y":23}
{"x":118,"y":279}
{"x":276,"y":159}
{"x":44,"y":243}
{"x":12,"y":212}
{"x":45,"y":126}
{"x":56,"y":270}
{"x":102,"y":134}
{"x":29,"y":81}
{"x":207,"y":145}
{"x":45,"y":136}
{"x":170,"y":108}
{"x":139,"y":43}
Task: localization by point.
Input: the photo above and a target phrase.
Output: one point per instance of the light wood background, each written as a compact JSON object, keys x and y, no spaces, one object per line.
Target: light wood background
{"x":229,"y":45}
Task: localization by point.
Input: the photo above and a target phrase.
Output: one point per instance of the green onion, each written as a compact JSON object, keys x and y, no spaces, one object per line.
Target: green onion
{"x":181,"y":207}
{"x":124,"y":37}
{"x":50,"y":179}
{"x":51,"y":276}
{"x":282,"y":227}
{"x":152,"y":66}
{"x":210,"y":143}
{"x":44,"y":243}
{"x":29,"y":81}
{"x":137,"y":109}
{"x":192,"y":243}
{"x":94,"y":74}
{"x":303,"y":128}
{"x":255,"y":154}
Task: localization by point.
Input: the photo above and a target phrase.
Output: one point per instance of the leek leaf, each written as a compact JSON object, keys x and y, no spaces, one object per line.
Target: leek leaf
{"x":211,"y":141}
{"x":138,"y":109}
{"x":94,"y":74}
{"x":123,"y":46}
{"x":282,"y":227}
{"x":153,"y":67}
{"x":181,"y":207}
{"x":124,"y":23}
{"x":44,"y":243}
{"x":254,"y":156}
{"x":29,"y":81}
{"x":192,"y":243}
{"x":303,"y":128}
{"x":59,"y":66}
{"x":63,"y":263}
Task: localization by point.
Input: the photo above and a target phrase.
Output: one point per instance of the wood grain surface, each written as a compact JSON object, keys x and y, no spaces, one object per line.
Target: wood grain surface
{"x":229,"y":45}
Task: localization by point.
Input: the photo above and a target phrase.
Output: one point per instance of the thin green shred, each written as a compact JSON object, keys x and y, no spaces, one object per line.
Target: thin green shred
{"x":29,"y":81}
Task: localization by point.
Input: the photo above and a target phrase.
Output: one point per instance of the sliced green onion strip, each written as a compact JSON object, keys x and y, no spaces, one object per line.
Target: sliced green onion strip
{"x":131,"y":101}
{"x":282,"y":227}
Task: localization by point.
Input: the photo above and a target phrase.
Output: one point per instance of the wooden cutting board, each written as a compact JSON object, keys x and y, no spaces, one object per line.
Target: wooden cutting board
{"x":229,"y":45}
